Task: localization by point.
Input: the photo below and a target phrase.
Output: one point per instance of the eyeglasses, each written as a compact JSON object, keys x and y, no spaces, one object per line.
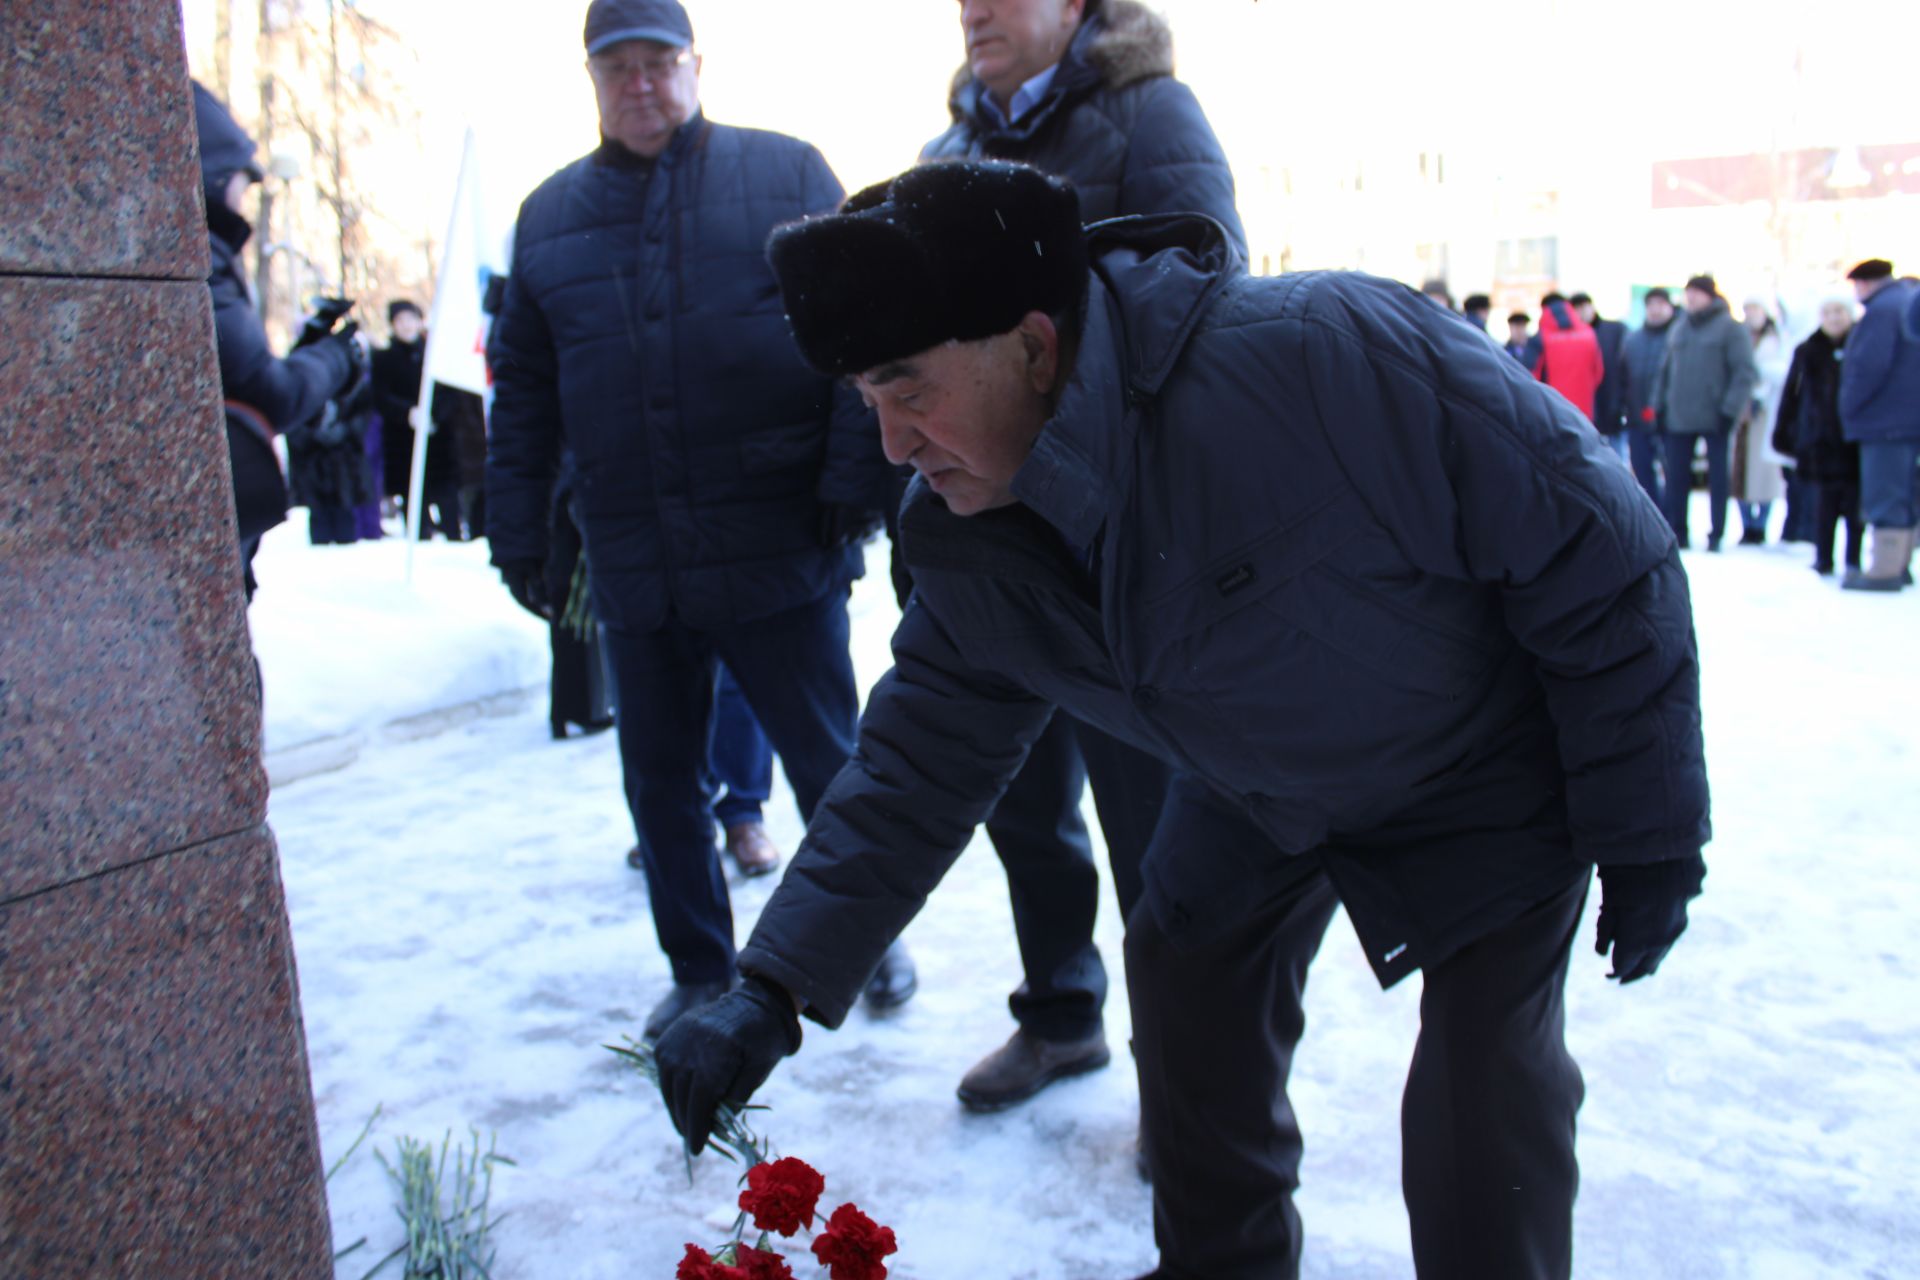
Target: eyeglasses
{"x":655,"y":70}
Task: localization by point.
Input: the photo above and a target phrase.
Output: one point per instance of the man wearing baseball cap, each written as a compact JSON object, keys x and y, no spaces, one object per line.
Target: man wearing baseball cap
{"x":1410,"y":640}
{"x":721,"y":486}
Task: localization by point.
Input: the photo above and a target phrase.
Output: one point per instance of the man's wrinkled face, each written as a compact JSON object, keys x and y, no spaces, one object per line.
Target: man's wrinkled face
{"x":645,"y":90}
{"x":1659,"y":311}
{"x":965,"y":414}
{"x":1009,"y":42}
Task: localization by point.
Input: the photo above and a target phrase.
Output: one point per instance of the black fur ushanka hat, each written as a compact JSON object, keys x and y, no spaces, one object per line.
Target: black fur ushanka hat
{"x":943,"y":252}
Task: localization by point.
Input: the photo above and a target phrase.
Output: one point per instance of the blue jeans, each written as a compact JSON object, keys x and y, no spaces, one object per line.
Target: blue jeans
{"x":1889,"y":487}
{"x":795,"y":669}
{"x":1642,"y":445}
{"x":741,"y":756}
{"x":1679,"y":459}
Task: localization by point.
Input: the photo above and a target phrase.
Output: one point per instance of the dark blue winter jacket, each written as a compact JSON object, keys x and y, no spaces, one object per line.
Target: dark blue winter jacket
{"x":1641,"y":355}
{"x":642,"y":331}
{"x":1114,"y":122}
{"x":1325,"y":550}
{"x":1880,"y":378}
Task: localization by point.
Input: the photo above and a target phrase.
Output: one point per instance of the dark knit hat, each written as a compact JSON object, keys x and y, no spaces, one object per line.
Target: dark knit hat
{"x":395,"y":308}
{"x":1661,"y":294}
{"x":1706,"y":285}
{"x":943,"y":252}
{"x":1872,"y":269}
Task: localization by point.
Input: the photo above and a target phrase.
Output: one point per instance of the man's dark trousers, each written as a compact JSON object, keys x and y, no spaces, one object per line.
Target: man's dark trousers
{"x":796,"y":672}
{"x":328,"y":525}
{"x":1642,"y":445}
{"x":1490,"y":1097}
{"x":1679,"y":449}
{"x":1042,"y":842}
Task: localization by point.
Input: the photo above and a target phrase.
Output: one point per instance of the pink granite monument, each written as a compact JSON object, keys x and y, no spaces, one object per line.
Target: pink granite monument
{"x":156,"y":1118}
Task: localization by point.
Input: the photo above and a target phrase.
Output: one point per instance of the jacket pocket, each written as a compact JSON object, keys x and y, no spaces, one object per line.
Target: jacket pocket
{"x":1256,"y":569}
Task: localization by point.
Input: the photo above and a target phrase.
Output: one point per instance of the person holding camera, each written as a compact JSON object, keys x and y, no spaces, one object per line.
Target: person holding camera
{"x":265,"y":394}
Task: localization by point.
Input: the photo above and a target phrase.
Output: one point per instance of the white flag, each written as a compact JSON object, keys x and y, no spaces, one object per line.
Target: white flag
{"x":456,"y":331}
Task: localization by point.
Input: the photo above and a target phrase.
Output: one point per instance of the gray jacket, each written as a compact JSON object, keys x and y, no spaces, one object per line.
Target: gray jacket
{"x":1709,"y":375}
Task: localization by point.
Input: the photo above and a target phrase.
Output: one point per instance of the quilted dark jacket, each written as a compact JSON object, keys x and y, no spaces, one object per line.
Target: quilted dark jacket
{"x":1344,"y":551}
{"x":1114,"y":122}
{"x":642,"y":331}
{"x":1880,"y":379}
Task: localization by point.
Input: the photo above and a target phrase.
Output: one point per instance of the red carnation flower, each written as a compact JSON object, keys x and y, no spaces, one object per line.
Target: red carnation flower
{"x":748,"y":1264}
{"x":782,"y":1196}
{"x":755,"y":1264}
{"x":853,"y":1244}
{"x":697,"y":1265}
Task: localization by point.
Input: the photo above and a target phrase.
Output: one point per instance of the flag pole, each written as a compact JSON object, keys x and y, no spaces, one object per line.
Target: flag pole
{"x":423,"y":414}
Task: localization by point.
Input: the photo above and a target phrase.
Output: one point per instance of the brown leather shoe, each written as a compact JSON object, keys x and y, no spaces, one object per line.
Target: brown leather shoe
{"x":752,"y":849}
{"x":1025,"y":1065}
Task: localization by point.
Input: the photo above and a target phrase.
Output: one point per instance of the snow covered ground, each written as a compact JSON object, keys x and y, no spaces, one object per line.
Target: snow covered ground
{"x":469,"y":935}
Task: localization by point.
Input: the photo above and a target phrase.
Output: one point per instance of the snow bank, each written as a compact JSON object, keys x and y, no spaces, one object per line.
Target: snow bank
{"x":349,"y":650}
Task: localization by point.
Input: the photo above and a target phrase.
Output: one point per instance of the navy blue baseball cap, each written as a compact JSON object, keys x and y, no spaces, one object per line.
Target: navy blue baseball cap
{"x":612,"y":22}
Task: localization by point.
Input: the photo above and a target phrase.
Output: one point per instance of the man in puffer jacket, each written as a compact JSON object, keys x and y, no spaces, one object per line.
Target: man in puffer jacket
{"x":1642,"y":356}
{"x":722,"y":487}
{"x":1413,"y":642}
{"x":1704,"y":389}
{"x":1083,"y":89}
{"x":264,"y":392}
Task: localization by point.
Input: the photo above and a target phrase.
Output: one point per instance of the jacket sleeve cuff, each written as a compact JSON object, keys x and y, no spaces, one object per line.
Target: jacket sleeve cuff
{"x":818,"y":1001}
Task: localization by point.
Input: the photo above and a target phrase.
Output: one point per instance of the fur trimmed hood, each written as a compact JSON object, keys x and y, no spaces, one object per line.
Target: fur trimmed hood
{"x":1122,"y":40}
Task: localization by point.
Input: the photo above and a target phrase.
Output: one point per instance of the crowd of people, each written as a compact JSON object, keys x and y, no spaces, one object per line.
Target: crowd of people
{"x":1773,"y":421}
{"x":1429,"y":665}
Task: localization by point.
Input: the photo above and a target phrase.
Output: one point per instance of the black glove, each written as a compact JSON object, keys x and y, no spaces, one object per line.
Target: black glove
{"x":722,"y":1052}
{"x":527,"y":582}
{"x":1643,"y":912}
{"x":841,"y":524}
{"x":326,"y":314}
